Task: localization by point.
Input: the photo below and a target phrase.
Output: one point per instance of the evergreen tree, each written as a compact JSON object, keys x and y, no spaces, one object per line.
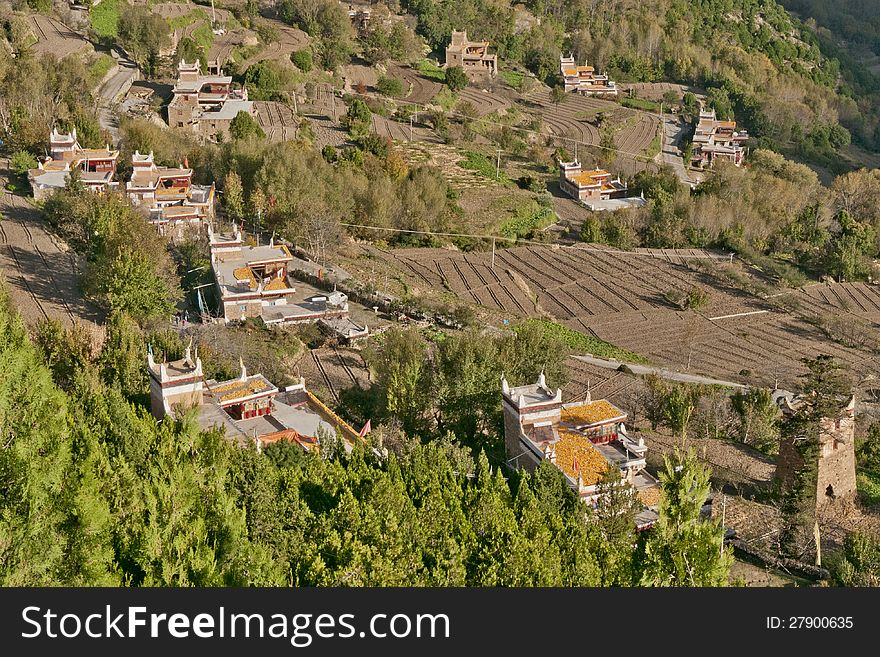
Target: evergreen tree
{"x":683,"y":549}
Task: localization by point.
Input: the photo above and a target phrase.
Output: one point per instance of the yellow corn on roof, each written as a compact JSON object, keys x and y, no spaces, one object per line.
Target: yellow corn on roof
{"x":591,"y":464}
{"x":277,"y":283}
{"x":245,"y":274}
{"x":238,"y":389}
{"x":600,"y":410}
{"x":650,"y":496}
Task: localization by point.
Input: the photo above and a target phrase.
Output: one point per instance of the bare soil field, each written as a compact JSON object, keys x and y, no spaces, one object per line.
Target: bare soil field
{"x":422,"y":89}
{"x":290,"y":39}
{"x":619,"y":297}
{"x":277,"y":120}
{"x":835,"y":299}
{"x":41,"y":273}
{"x":55,"y":38}
{"x":656,"y":90}
{"x":573,"y":121}
{"x":484,"y":100}
{"x":331,"y":370}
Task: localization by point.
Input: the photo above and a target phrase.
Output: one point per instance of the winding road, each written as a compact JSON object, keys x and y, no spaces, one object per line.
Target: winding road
{"x":112,"y":89}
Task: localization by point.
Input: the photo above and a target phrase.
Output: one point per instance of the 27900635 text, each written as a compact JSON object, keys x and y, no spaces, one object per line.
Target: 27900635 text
{"x":810,"y":623}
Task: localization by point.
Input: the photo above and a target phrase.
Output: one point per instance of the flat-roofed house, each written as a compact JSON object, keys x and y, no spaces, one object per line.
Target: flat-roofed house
{"x":589,"y":184}
{"x":168,"y":194}
{"x":583,"y":439}
{"x":717,"y":140}
{"x":248,"y":409}
{"x":472,"y":56}
{"x":205,"y":104}
{"x":253,"y":281}
{"x":96,"y":167}
{"x":585,"y":79}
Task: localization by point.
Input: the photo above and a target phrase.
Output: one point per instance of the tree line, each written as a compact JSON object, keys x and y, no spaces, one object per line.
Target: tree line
{"x":96,"y":492}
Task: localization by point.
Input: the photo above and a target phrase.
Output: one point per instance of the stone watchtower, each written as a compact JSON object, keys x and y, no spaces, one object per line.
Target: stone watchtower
{"x":177,"y":384}
{"x":836,"y":460}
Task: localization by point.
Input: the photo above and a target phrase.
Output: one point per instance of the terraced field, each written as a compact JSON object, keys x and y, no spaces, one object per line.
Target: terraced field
{"x":277,"y":120}
{"x":55,"y":38}
{"x":619,"y":297}
{"x":329,"y":371}
{"x":445,"y":158}
{"x":41,"y":274}
{"x":484,"y":101}
{"x":570,"y":122}
{"x":422,"y":89}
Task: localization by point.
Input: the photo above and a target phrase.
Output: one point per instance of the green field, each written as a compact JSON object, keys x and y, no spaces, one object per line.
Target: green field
{"x":641,"y":103}
{"x":483,"y":165}
{"x":527,"y":220}
{"x":104,"y":19}
{"x":431,"y":70}
{"x":581,"y":343}
{"x":99,"y":68}
{"x":868,"y":484}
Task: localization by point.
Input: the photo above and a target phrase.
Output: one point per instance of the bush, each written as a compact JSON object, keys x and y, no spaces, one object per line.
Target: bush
{"x":22,"y":162}
{"x":456,"y":79}
{"x":244,"y":126}
{"x":389,"y":86}
{"x":302,"y":59}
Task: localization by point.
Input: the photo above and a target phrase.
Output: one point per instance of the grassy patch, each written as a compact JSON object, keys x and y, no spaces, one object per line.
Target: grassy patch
{"x":100,"y":67}
{"x":243,"y":53}
{"x":204,"y":36}
{"x":513,"y":78}
{"x":581,"y":342}
{"x":104,"y":19}
{"x":446,"y":99}
{"x":180,"y":22}
{"x":481,"y":164}
{"x":527,"y":220}
{"x":431,"y":70}
{"x":641,"y":103}
{"x":654,"y":147}
{"x":868,"y":485}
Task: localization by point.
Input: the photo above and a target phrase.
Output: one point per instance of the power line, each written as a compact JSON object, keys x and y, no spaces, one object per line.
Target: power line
{"x":516,"y":240}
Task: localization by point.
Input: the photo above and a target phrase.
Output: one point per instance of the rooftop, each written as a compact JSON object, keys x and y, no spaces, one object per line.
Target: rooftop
{"x":230,"y":110}
{"x":575,"y":454}
{"x":531,"y":394}
{"x":591,"y":413}
{"x":228,"y":392}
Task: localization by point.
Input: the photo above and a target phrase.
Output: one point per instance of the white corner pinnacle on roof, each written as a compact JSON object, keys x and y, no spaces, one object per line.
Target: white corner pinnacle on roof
{"x":589,"y":397}
{"x":505,"y":387}
{"x":542,"y":380}
{"x":187,"y":356}
{"x":243,"y":376}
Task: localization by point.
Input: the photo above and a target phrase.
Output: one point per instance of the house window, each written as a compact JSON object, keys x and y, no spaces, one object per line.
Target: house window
{"x":242,"y":309}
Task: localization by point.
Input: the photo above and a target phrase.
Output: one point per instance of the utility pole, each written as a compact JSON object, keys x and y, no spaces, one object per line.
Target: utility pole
{"x":411,"y":126}
{"x":333,"y":99}
{"x":498,"y":165}
{"x":723,"y":515}
{"x":257,"y":226}
{"x":493,"y":253}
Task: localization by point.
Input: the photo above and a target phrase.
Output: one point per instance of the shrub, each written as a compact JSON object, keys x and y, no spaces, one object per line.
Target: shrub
{"x":389,"y":86}
{"x":302,"y":59}
{"x":22,"y":161}
{"x":456,"y":79}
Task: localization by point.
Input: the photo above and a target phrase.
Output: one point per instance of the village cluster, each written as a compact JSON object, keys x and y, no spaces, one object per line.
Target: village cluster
{"x":584,"y":440}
